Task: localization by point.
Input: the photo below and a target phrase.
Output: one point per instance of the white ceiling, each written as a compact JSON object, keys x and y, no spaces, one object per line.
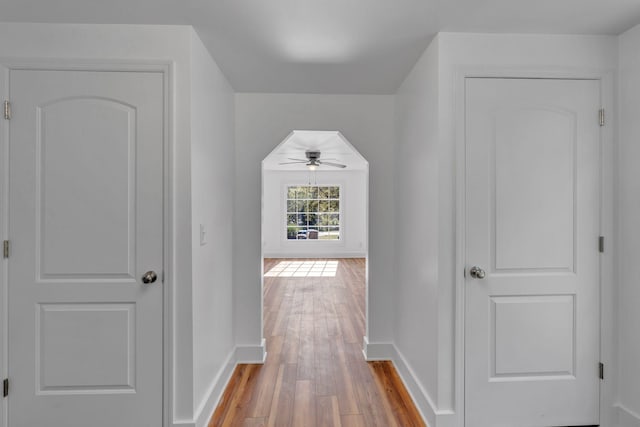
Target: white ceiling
{"x":332,"y":46}
{"x":332,"y":145}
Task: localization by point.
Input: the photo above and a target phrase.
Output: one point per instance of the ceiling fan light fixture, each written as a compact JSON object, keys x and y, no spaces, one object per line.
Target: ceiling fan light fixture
{"x":313,"y":161}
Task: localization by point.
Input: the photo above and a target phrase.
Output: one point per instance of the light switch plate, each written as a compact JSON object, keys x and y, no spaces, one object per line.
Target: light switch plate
{"x":203,"y":235}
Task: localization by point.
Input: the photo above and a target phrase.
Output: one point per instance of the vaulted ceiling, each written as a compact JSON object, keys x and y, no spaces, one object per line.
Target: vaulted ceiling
{"x":332,"y":145}
{"x":332,"y":46}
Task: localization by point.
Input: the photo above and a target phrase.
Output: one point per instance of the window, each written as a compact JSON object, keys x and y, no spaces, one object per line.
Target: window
{"x":313,"y":213}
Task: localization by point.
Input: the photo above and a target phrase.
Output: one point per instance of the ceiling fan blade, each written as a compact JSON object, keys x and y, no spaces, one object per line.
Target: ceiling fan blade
{"x":291,"y":163}
{"x":336,"y":165}
{"x":298,"y":160}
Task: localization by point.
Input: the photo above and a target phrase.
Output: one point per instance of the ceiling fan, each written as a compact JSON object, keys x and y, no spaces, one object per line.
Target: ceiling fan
{"x":313,"y":161}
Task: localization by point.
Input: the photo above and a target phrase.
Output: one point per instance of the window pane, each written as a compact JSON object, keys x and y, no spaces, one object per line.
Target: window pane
{"x":301,"y":193}
{"x":292,"y":233}
{"x":313,"y":213}
{"x":313,"y":192}
{"x":329,"y":235}
{"x":312,"y":219}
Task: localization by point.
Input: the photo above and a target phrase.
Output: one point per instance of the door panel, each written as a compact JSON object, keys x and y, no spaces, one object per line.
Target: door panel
{"x":101,"y":141}
{"x":532,"y":202}
{"x":526,"y":344}
{"x":533,"y":178}
{"x":101,"y":336}
{"x":85,"y":221}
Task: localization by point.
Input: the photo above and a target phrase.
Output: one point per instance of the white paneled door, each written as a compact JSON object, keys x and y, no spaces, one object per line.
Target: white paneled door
{"x":86,"y":225}
{"x":532,"y":228}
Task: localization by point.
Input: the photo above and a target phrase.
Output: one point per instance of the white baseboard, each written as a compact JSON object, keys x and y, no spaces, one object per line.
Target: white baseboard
{"x":421,"y":398}
{"x":626,"y":417}
{"x":216,"y":389}
{"x":378,"y":350}
{"x":418,"y":393}
{"x":298,"y":254}
{"x":239,"y":355}
{"x":251,"y":353}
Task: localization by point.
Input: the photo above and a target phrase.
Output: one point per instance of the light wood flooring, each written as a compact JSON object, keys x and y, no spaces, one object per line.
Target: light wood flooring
{"x":315,"y":374}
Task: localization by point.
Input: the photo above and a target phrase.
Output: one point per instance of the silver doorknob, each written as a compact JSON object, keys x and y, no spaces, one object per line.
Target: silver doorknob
{"x":476,"y":272}
{"x":149,"y":277}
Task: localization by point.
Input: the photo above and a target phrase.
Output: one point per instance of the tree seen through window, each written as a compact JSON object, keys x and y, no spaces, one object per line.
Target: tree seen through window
{"x":313,"y":212}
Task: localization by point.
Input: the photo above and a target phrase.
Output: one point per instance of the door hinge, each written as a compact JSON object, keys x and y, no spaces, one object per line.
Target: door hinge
{"x":601,"y":370}
{"x":7,"y":110}
{"x":601,"y":244}
{"x":601,"y":117}
{"x":5,"y":249}
{"x":5,"y":387}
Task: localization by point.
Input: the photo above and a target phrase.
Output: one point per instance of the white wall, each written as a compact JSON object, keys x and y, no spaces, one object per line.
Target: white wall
{"x":212,"y":124}
{"x":416,"y":224}
{"x":212,"y":164}
{"x":353,"y":215}
{"x":262,"y":122}
{"x":629,"y":230}
{"x":511,"y":53}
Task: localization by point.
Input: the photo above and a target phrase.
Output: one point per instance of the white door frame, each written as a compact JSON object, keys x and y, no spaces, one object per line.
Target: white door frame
{"x":607,"y":180}
{"x":166,"y":68}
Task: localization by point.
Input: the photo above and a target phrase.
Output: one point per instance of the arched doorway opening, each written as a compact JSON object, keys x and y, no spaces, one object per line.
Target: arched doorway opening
{"x":315,"y":201}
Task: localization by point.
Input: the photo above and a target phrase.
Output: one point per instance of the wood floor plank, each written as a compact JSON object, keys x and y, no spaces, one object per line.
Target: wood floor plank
{"x":254,"y":422}
{"x":328,"y":412}
{"x":349,"y":334}
{"x":306,"y":352}
{"x":246,"y":395}
{"x":291,"y":346}
{"x":323,"y":374}
{"x":275,"y":347}
{"x":276,"y":397}
{"x":367,"y":395}
{"x":333,"y":322}
{"x":228,"y":396}
{"x":396,"y":394}
{"x":264,"y":393}
{"x":279,"y":323}
{"x":344,"y":381}
{"x":304,"y":408}
{"x":315,"y":373}
{"x":353,"y":420}
{"x":375,"y":407}
{"x":241,"y":396}
{"x":282,"y":406}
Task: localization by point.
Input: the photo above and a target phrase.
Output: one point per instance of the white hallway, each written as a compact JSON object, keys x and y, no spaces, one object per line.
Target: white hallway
{"x":236,"y":85}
